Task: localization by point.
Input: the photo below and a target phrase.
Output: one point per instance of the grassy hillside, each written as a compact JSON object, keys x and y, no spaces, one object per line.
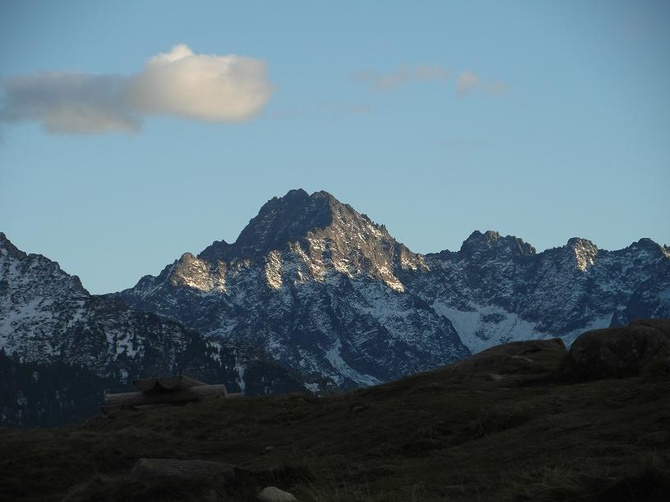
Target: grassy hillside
{"x":513,"y":430}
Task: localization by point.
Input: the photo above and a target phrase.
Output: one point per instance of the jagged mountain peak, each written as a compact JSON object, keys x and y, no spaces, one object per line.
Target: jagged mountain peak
{"x":197,"y":274}
{"x":646,"y":250}
{"x":285,"y":219}
{"x":17,"y":267}
{"x":298,"y":218}
{"x":216,"y":251}
{"x":584,"y":251}
{"x":491,"y":240}
{"x":296,"y":238}
{"x":7,"y":248}
{"x":288,"y":219}
{"x":579,"y":242}
{"x":647,"y":245}
{"x":280,"y":221}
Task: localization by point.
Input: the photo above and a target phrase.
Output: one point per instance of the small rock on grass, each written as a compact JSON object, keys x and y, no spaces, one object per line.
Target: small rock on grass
{"x":273,"y":494}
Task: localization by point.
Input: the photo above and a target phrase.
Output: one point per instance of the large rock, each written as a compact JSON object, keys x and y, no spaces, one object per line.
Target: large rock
{"x":660,"y":324}
{"x":513,"y":357}
{"x":622,"y":351}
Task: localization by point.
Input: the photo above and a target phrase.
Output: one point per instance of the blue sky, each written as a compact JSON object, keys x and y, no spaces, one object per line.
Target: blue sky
{"x":544,"y":120}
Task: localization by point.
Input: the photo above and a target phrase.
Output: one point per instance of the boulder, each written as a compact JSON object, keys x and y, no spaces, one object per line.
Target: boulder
{"x":273,"y":494}
{"x":660,"y":324}
{"x":150,"y":468}
{"x":509,"y":358}
{"x":620,"y":351}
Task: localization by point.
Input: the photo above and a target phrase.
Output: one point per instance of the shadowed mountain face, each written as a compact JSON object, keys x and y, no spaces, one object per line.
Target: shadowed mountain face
{"x":326,"y":291}
{"x":499,"y":289}
{"x":54,"y":334}
{"x":280,"y":221}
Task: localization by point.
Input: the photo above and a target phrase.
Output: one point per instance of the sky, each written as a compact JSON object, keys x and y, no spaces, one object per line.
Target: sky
{"x":134,"y":131}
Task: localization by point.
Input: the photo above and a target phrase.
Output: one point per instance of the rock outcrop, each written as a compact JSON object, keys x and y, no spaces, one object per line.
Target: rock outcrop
{"x":621,"y":351}
{"x":510,"y":358}
{"x":274,"y":494}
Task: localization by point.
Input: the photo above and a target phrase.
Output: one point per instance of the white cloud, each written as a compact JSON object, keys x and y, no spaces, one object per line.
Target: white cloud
{"x":180,"y":83}
{"x":405,"y":75}
{"x":202,"y":87}
{"x":466,"y":81}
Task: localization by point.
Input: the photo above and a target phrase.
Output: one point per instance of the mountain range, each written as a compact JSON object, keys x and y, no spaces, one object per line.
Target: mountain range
{"x":315,"y":295}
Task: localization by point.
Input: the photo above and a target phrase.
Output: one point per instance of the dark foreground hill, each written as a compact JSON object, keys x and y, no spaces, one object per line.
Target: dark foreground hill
{"x":514,"y":424}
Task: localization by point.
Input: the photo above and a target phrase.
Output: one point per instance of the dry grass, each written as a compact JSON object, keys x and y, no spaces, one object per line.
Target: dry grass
{"x":432,"y":437}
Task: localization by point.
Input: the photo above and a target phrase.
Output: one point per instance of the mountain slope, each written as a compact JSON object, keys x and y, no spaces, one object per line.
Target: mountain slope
{"x":329,"y":294}
{"x":326,"y":291}
{"x":47,"y":317}
{"x":497,"y":289}
{"x":315,"y":284}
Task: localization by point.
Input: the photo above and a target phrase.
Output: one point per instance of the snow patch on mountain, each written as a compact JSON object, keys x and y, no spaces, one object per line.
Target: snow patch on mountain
{"x":334,"y":357}
{"x":486,"y":326}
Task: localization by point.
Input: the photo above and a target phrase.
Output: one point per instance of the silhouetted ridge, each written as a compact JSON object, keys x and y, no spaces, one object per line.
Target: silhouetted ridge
{"x":492,"y":241}
{"x":12,"y":250}
{"x":218,"y":250}
{"x":647,"y":244}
